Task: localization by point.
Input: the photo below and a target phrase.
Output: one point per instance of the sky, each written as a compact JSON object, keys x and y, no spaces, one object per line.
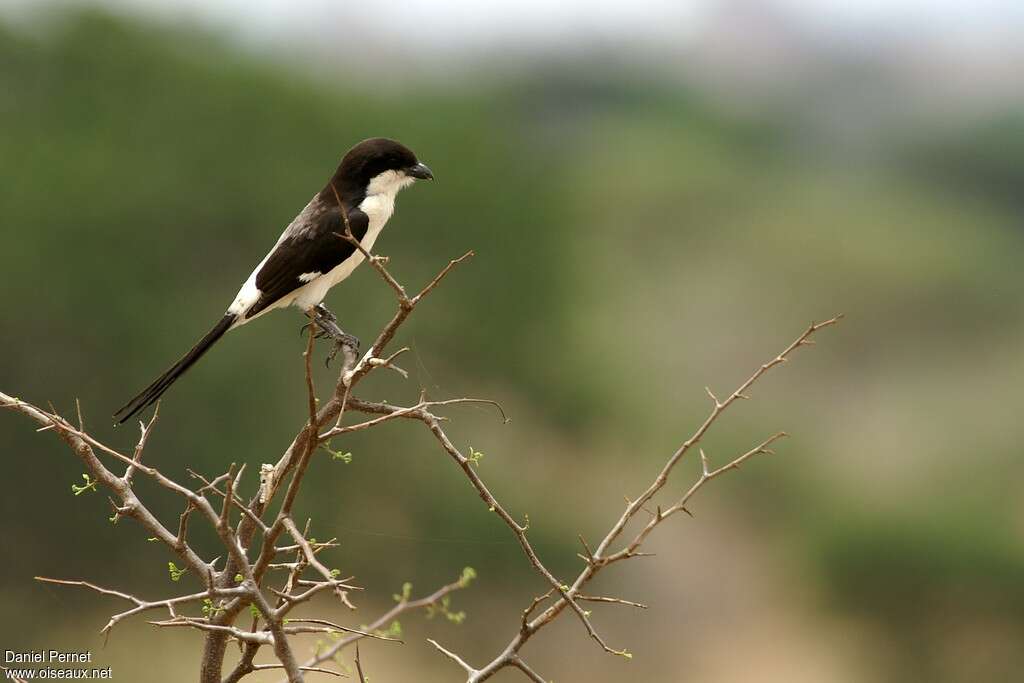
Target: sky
{"x":460,"y":25}
{"x":963,"y":55}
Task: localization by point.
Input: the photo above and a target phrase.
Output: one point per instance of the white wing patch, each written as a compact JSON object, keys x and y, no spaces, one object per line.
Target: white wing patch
{"x":309,"y":277}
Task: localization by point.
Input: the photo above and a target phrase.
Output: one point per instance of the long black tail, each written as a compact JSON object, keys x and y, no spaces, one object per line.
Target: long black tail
{"x":162,"y":383}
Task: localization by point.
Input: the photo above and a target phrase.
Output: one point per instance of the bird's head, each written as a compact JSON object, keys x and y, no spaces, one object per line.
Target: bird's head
{"x":378,"y":166}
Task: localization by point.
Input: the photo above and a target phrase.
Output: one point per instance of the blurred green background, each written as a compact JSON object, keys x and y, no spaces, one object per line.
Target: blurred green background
{"x":646,"y":223}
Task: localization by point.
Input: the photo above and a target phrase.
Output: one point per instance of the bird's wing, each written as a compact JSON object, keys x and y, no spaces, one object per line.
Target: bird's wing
{"x":306,"y":252}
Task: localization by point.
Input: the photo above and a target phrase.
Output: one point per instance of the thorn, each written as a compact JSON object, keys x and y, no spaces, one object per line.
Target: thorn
{"x":686,"y":511}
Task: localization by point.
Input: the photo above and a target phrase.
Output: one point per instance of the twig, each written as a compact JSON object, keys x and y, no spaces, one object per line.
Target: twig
{"x":455,"y":658}
{"x":359,"y":666}
{"x":400,"y":608}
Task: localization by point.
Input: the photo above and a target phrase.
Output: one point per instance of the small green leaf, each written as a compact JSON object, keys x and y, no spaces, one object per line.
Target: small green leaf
{"x":209,"y":609}
{"x":406,"y":593}
{"x":90,"y":485}
{"x":338,"y":455}
{"x":444,"y":608}
{"x":468,"y":574}
{"x":175,"y":573}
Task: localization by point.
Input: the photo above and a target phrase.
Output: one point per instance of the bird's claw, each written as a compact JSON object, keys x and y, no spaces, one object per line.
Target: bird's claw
{"x":319,"y":334}
{"x":345,"y":341}
{"x":327,"y":326}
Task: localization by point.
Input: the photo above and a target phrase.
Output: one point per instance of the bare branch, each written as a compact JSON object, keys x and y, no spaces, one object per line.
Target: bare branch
{"x":615,"y":601}
{"x":340,"y":587}
{"x":143,"y":605}
{"x":602,"y":556}
{"x":359,"y":666}
{"x":530,"y":673}
{"x":258,"y":637}
{"x":455,"y":658}
{"x":400,"y":608}
{"x":311,"y":669}
{"x":145,"y":431}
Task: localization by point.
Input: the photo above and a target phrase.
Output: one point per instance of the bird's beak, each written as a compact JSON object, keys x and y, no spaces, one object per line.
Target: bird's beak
{"x":421,"y":171}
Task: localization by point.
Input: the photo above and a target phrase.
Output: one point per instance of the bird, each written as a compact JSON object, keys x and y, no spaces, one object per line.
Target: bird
{"x":313,"y":254}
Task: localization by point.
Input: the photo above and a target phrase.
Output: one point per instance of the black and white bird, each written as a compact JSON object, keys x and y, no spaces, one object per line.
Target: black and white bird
{"x":311,"y":256}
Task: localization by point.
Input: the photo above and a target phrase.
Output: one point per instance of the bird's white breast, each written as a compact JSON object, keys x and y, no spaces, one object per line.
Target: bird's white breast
{"x":378,"y":208}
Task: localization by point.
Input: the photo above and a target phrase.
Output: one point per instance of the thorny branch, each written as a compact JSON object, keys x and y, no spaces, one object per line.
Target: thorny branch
{"x":243,"y":582}
{"x":403,"y":605}
{"x":569,"y":595}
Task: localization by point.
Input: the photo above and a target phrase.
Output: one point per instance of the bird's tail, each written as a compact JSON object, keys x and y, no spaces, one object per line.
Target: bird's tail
{"x":162,"y":383}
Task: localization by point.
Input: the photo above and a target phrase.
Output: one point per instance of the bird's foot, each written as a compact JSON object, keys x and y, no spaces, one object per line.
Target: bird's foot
{"x":325,"y":322}
{"x":327,"y":326}
{"x":347,"y":342}
{"x":319,"y":334}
